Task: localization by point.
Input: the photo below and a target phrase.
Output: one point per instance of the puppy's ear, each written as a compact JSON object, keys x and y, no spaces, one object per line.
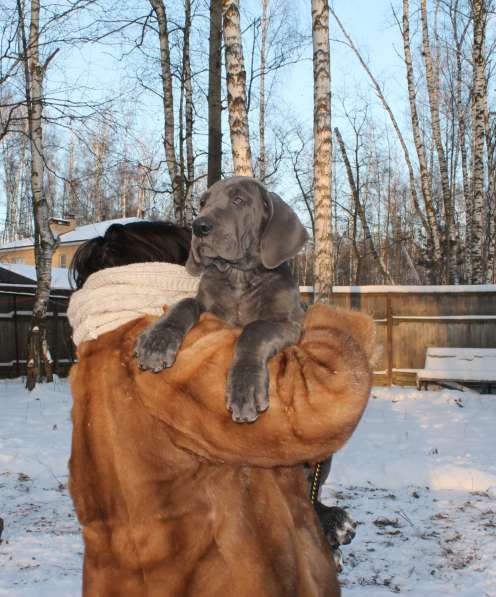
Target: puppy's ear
{"x":194,"y":266}
{"x":284,"y":235}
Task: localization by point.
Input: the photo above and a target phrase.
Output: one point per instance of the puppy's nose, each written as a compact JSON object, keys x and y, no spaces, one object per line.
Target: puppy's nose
{"x":202,"y":226}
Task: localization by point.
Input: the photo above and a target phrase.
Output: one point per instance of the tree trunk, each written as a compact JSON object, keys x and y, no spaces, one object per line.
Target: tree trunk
{"x":14,"y":164}
{"x":39,"y":361}
{"x":490,"y":227}
{"x":168,"y":106}
{"x":236,"y":90}
{"x":462,"y":127}
{"x":262,"y":161}
{"x":369,"y":241}
{"x":214,"y":94}
{"x":450,"y":251}
{"x":322,"y":155}
{"x":100,"y":150}
{"x":437,"y":257}
{"x":478,"y":134}
{"x":188,"y":95}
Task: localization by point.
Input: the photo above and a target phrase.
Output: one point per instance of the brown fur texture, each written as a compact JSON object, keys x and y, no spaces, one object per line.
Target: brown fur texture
{"x":175,"y":499}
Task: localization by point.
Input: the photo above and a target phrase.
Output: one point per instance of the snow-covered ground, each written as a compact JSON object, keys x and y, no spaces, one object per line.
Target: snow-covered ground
{"x":419,"y":475}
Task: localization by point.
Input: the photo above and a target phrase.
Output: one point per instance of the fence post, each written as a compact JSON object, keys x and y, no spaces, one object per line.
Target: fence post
{"x":16,"y":337}
{"x":55,"y":338}
{"x":389,"y":339}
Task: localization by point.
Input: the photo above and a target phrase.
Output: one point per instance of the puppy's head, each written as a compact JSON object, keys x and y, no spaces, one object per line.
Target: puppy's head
{"x":243,"y":225}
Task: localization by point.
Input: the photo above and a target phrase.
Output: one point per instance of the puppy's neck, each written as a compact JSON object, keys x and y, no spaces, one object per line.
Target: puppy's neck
{"x":237,"y":278}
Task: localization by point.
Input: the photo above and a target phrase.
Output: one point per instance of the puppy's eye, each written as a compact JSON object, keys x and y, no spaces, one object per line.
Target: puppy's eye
{"x":237,"y":200}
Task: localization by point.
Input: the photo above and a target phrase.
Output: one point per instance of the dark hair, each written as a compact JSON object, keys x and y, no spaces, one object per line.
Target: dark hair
{"x":135,"y":242}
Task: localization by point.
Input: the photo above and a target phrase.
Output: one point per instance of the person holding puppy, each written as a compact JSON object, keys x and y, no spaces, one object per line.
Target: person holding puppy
{"x":174,"y":498}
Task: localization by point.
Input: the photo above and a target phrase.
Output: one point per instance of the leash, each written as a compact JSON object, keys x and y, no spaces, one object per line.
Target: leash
{"x":316,"y":479}
{"x":320,"y":468}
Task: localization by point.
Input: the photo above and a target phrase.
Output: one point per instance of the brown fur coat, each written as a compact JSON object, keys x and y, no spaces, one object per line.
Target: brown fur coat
{"x":175,"y":499}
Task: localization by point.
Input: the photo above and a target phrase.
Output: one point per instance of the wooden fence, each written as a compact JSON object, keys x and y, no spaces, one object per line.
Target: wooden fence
{"x":409,"y":319}
{"x":16,"y":305}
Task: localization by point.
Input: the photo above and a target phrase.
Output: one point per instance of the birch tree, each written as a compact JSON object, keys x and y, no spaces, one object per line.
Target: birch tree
{"x":39,"y":361}
{"x":236,"y":89}
{"x":323,"y":260}
{"x":461,"y":116}
{"x":159,"y":10}
{"x":479,"y":16}
{"x":187,"y":84}
{"x":425,"y":181}
{"x":433,"y":86}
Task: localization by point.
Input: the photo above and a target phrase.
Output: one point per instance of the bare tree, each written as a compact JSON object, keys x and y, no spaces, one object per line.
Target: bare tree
{"x":262,"y":158}
{"x":187,"y":84}
{"x":39,"y":360}
{"x":380,"y":94}
{"x":355,"y":193}
{"x":323,"y":274}
{"x":214,"y":93}
{"x":425,"y":180}
{"x":168,"y":106}
{"x":236,"y":89}
{"x":433,"y":86}
{"x":479,"y":16}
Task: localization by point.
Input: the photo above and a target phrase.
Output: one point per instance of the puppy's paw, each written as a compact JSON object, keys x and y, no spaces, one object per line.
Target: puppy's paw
{"x":337,"y":556}
{"x":338,"y":526}
{"x":247,"y":392}
{"x":157,"y":346}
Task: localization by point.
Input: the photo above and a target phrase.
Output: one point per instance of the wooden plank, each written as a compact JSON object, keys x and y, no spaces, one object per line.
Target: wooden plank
{"x":389,"y":339}
{"x":16,"y":336}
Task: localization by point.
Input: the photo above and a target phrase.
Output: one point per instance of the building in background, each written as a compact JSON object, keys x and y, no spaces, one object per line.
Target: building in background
{"x":70,"y":238}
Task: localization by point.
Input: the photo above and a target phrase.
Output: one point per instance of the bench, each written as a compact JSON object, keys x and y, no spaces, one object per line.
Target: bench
{"x":453,"y":367}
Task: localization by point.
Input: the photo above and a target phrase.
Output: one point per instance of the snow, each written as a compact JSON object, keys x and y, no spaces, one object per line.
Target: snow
{"x":91,"y":230}
{"x":459,"y":364}
{"x":77,"y":235}
{"x":386,"y":289}
{"x":60,"y":275}
{"x":419,"y":475}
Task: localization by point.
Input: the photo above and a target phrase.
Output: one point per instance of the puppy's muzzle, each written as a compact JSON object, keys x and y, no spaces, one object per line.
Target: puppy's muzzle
{"x":202,"y":226}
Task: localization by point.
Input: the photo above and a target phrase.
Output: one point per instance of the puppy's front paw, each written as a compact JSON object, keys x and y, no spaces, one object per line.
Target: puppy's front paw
{"x":247,"y":392}
{"x":157,"y":346}
{"x":338,"y":526}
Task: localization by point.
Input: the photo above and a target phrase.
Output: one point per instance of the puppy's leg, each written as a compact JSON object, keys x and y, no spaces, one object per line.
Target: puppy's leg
{"x":157,"y":346}
{"x":247,"y":392}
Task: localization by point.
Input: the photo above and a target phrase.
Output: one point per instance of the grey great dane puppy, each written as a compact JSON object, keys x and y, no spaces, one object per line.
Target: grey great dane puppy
{"x":241,"y":241}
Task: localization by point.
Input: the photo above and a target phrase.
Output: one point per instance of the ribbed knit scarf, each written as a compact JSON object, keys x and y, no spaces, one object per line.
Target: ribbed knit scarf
{"x":116,"y":295}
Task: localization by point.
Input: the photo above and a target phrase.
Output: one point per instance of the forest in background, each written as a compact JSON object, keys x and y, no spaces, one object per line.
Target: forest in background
{"x":398,"y":193}
{"x":413,"y":191}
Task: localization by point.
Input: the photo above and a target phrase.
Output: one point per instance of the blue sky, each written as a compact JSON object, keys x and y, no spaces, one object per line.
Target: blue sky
{"x":371,"y":26}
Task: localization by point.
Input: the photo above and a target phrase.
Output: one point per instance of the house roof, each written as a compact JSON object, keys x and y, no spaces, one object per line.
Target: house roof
{"x":79,"y":234}
{"x":26,"y":274}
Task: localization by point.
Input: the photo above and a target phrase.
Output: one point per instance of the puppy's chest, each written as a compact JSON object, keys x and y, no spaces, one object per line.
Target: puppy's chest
{"x":237,"y":305}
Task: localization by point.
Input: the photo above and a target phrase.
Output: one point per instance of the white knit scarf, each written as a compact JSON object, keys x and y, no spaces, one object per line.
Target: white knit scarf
{"x":116,"y":295}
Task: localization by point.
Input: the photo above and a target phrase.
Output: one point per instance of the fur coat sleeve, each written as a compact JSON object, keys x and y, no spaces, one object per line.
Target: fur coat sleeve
{"x":318,"y":391}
